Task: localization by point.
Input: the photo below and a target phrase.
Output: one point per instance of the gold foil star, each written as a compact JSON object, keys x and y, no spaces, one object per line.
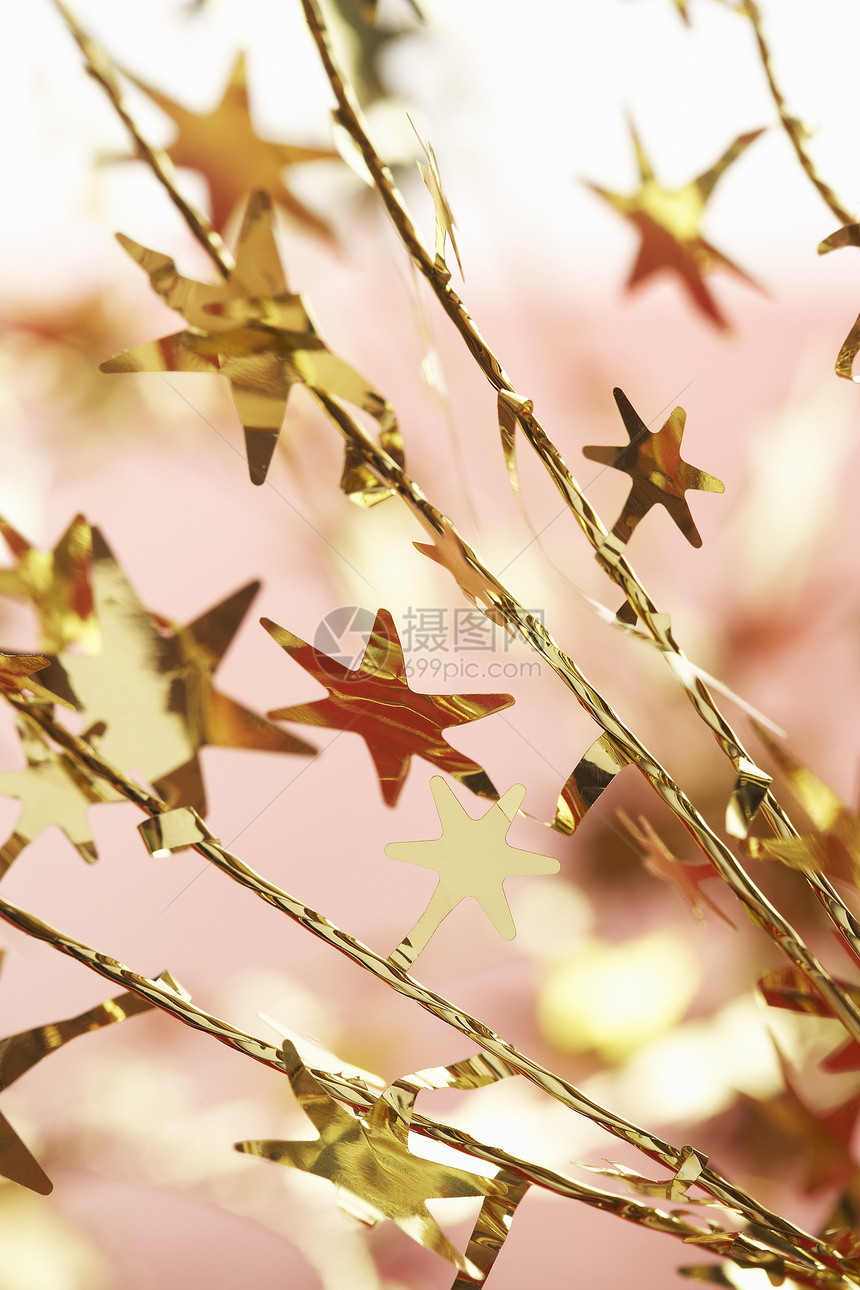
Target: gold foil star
{"x":53,"y":790}
{"x":472,"y":858}
{"x":375,"y":701}
{"x":20,"y":1053}
{"x":150,"y":692}
{"x":223,"y":145}
{"x":259,"y":335}
{"x":835,"y":849}
{"x":56,"y":583}
{"x":479,"y":588}
{"x":367,"y":1157}
{"x":16,"y":676}
{"x":653,"y":462}
{"x":668,"y":222}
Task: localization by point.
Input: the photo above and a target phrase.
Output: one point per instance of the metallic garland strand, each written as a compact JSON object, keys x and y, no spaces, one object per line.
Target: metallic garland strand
{"x":350,"y":117}
{"x":770,"y":1226}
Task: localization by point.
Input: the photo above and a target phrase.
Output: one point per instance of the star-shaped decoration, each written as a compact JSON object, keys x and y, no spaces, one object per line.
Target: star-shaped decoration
{"x":659,"y":475}
{"x":56,"y":583}
{"x":788,"y":988}
{"x":20,"y":1053}
{"x":447,"y":549}
{"x":367,"y":1157}
{"x":834,"y":849}
{"x":366,"y":45}
{"x":669,"y":223}
{"x":224,"y":147}
{"x":473,"y":858}
{"x":259,"y":335}
{"x":375,"y":701}
{"x":683,"y":877}
{"x":148,"y":697}
{"x":53,"y":790}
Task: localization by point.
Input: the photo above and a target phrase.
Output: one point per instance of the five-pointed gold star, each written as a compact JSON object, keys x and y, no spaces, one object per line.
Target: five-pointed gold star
{"x":653,"y":462}
{"x":57,"y":585}
{"x":20,"y":1053}
{"x":668,"y":222}
{"x":367,"y":1157}
{"x":374,"y":700}
{"x":224,"y":147}
{"x":148,"y":696}
{"x":53,"y":790}
{"x":472,"y":858}
{"x":258,"y":334}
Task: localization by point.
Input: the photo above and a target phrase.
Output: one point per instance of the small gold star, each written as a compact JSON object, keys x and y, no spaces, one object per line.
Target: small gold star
{"x":223,"y":146}
{"x":668,"y":222}
{"x":472,"y":858}
{"x":653,"y":462}
{"x":259,"y":335}
{"x":56,"y":583}
{"x":396,"y":722}
{"x":367,"y":1157}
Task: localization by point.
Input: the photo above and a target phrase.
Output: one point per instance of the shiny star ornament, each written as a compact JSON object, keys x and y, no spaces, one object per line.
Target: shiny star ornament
{"x":20,"y":1053}
{"x":223,"y":146}
{"x":659,"y":475}
{"x":259,"y":335}
{"x":52,"y":790}
{"x":448,"y":551}
{"x":668,"y":222}
{"x":16,"y":676}
{"x":148,"y":697}
{"x":56,"y":583}
{"x":367,"y":1157}
{"x":397,"y":723}
{"x":473,"y":858}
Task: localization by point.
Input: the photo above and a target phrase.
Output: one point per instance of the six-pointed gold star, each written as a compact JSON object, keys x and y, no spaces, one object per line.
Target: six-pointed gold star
{"x":375,"y":701}
{"x":258,"y":334}
{"x":224,"y":147}
{"x":148,"y":696}
{"x":472,"y":858}
{"x":56,"y":583}
{"x":53,"y":790}
{"x":669,"y":223}
{"x":367,"y":1157}
{"x":653,"y":462}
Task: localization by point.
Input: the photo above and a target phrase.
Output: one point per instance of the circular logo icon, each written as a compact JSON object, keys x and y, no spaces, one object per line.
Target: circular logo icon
{"x":343,"y":634}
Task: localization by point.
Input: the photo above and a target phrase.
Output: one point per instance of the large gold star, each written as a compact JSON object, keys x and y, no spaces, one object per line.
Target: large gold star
{"x":668,"y":222}
{"x":472,"y":858}
{"x":150,"y":695}
{"x":259,"y":335}
{"x":56,"y":583}
{"x":20,"y":1053}
{"x":653,"y":462}
{"x":223,"y":146}
{"x":53,"y":790}
{"x":367,"y":1157}
{"x":396,"y":722}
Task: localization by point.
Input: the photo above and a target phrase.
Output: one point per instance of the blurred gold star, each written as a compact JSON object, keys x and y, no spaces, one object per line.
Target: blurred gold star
{"x":258,"y":334}
{"x":668,"y":222}
{"x":53,"y":790}
{"x":223,"y":146}
{"x":56,"y":583}
{"x":654,"y":463}
{"x":150,"y":695}
{"x":396,"y":722}
{"x":472,"y":858}
{"x":367,"y":1157}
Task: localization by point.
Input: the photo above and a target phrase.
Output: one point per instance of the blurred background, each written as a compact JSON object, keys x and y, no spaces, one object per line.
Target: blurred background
{"x":613,"y":981}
